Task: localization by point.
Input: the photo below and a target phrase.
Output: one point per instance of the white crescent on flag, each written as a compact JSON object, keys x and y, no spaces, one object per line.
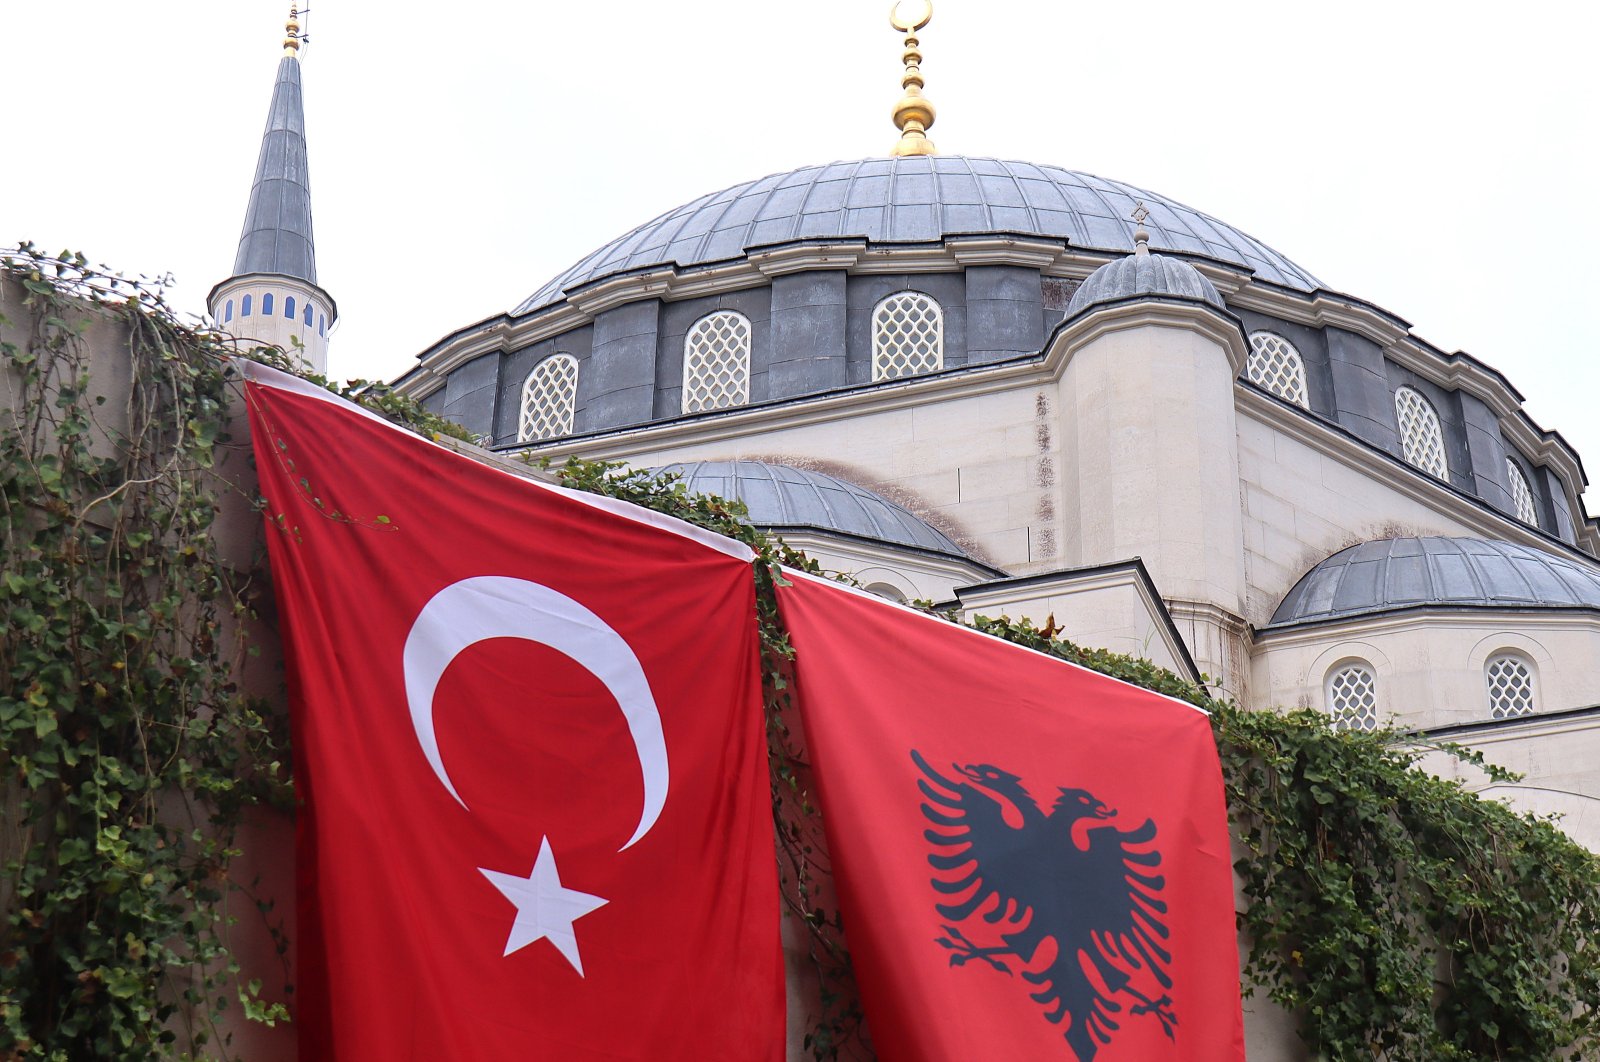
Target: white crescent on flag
{"x":494,"y":606}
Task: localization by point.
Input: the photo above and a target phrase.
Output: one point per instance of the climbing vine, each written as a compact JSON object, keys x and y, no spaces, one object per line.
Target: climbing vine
{"x":128,"y":753}
{"x":1395,"y":915}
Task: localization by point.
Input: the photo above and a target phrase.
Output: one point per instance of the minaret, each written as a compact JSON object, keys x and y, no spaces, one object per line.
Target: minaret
{"x":272,"y":298}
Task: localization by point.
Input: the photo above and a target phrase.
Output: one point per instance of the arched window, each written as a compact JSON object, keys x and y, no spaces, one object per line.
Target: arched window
{"x":1352,"y":692}
{"x":288,"y":306}
{"x":266,"y":305}
{"x":244,"y":307}
{"x":308,"y":315}
{"x":1521,"y":494}
{"x":907,"y":336}
{"x":322,"y":325}
{"x":1421,"y":440}
{"x":1510,"y":681}
{"x":1275,"y":365}
{"x":716,"y":362}
{"x":228,"y":315}
{"x":549,"y":399}
{"x":887,"y":591}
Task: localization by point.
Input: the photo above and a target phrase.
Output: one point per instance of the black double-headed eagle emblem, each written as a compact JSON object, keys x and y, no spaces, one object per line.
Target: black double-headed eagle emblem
{"x":1093,"y":891}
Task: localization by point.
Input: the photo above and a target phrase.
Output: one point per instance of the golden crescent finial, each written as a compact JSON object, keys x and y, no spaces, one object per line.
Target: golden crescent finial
{"x":908,"y":16}
{"x":914,"y":113}
{"x":291,"y":31}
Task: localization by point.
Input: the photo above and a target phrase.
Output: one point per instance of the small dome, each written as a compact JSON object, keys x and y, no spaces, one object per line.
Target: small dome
{"x":1397,"y":573}
{"x":781,"y":496}
{"x":914,"y":200}
{"x":1143,"y":274}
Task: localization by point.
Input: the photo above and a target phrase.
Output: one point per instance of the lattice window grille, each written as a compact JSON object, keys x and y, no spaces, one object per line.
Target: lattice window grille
{"x":716,"y":362}
{"x":549,"y":399}
{"x":907,"y":336}
{"x":1522,"y":494}
{"x":1274,"y":364}
{"x":1353,"y":698}
{"x":1421,"y":439}
{"x":1510,"y":683}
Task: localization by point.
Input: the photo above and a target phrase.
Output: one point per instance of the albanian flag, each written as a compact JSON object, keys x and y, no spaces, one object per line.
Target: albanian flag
{"x":528,"y":739}
{"x":1032,"y":859}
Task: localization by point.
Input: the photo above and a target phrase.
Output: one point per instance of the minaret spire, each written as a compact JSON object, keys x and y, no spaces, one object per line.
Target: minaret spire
{"x":272,"y":296}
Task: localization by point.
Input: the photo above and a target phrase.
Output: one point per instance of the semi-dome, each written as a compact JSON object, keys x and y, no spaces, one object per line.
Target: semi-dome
{"x":1143,"y":274}
{"x":1396,"y":573}
{"x":914,"y":200}
{"x":784,"y":496}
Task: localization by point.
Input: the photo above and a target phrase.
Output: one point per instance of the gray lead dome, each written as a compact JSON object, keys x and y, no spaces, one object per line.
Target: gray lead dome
{"x":915,"y":200}
{"x":784,"y":496}
{"x":1397,"y":573}
{"x":1143,"y":274}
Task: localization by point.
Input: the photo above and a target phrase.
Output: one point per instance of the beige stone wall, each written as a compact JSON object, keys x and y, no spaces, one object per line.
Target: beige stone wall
{"x":1556,"y":758}
{"x":1430,"y":666}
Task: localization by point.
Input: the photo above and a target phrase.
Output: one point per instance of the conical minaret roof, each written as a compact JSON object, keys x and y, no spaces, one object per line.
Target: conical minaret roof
{"x":277,"y":224}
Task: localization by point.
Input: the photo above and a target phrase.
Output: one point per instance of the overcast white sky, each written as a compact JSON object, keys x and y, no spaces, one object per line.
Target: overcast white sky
{"x":1437,"y":159}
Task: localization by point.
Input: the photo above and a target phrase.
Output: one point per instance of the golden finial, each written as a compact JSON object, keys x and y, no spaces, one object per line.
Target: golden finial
{"x":913,"y":114}
{"x":291,"y":31}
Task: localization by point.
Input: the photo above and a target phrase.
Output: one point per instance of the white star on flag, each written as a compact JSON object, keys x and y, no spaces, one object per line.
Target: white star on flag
{"x":545,"y":908}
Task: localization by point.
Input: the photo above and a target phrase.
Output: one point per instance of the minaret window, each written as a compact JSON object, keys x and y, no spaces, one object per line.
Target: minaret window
{"x":228,"y":314}
{"x":322,"y":325}
{"x":288,"y":306}
{"x":1521,"y":494}
{"x":1510,"y":682}
{"x":1352,"y":692}
{"x":266,"y":305}
{"x":549,"y":399}
{"x":907,"y":336}
{"x":1275,"y":365}
{"x":716,"y":362}
{"x":308,"y":315}
{"x":244,"y":306}
{"x":1421,"y":439}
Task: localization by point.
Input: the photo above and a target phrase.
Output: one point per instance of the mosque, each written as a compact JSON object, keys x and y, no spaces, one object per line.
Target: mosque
{"x":1010,"y":387}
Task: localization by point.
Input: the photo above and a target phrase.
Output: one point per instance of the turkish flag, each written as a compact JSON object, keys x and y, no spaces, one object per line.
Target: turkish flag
{"x":529,"y":744}
{"x":1032,"y":859}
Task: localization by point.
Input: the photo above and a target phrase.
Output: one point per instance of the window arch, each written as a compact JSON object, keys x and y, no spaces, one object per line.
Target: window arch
{"x":716,"y":362}
{"x":1352,"y":695}
{"x":1421,"y":439}
{"x":1275,"y":364}
{"x":322,"y":324}
{"x":1521,"y":494}
{"x":244,"y":306}
{"x":228,"y":314}
{"x":1509,"y":678}
{"x":308,"y":314}
{"x":288,"y":306}
{"x":907,"y":336}
{"x":266,"y":305}
{"x":549,"y":399}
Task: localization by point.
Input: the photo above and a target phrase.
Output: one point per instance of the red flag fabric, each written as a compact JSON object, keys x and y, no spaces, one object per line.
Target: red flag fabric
{"x":528,"y":739}
{"x":1032,"y":859}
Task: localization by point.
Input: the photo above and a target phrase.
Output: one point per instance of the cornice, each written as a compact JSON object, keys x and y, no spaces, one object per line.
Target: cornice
{"x":1141,"y":311}
{"x":871,"y":551}
{"x":1452,"y":372}
{"x":1424,"y":619}
{"x":1415,"y":484}
{"x":1126,"y":575}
